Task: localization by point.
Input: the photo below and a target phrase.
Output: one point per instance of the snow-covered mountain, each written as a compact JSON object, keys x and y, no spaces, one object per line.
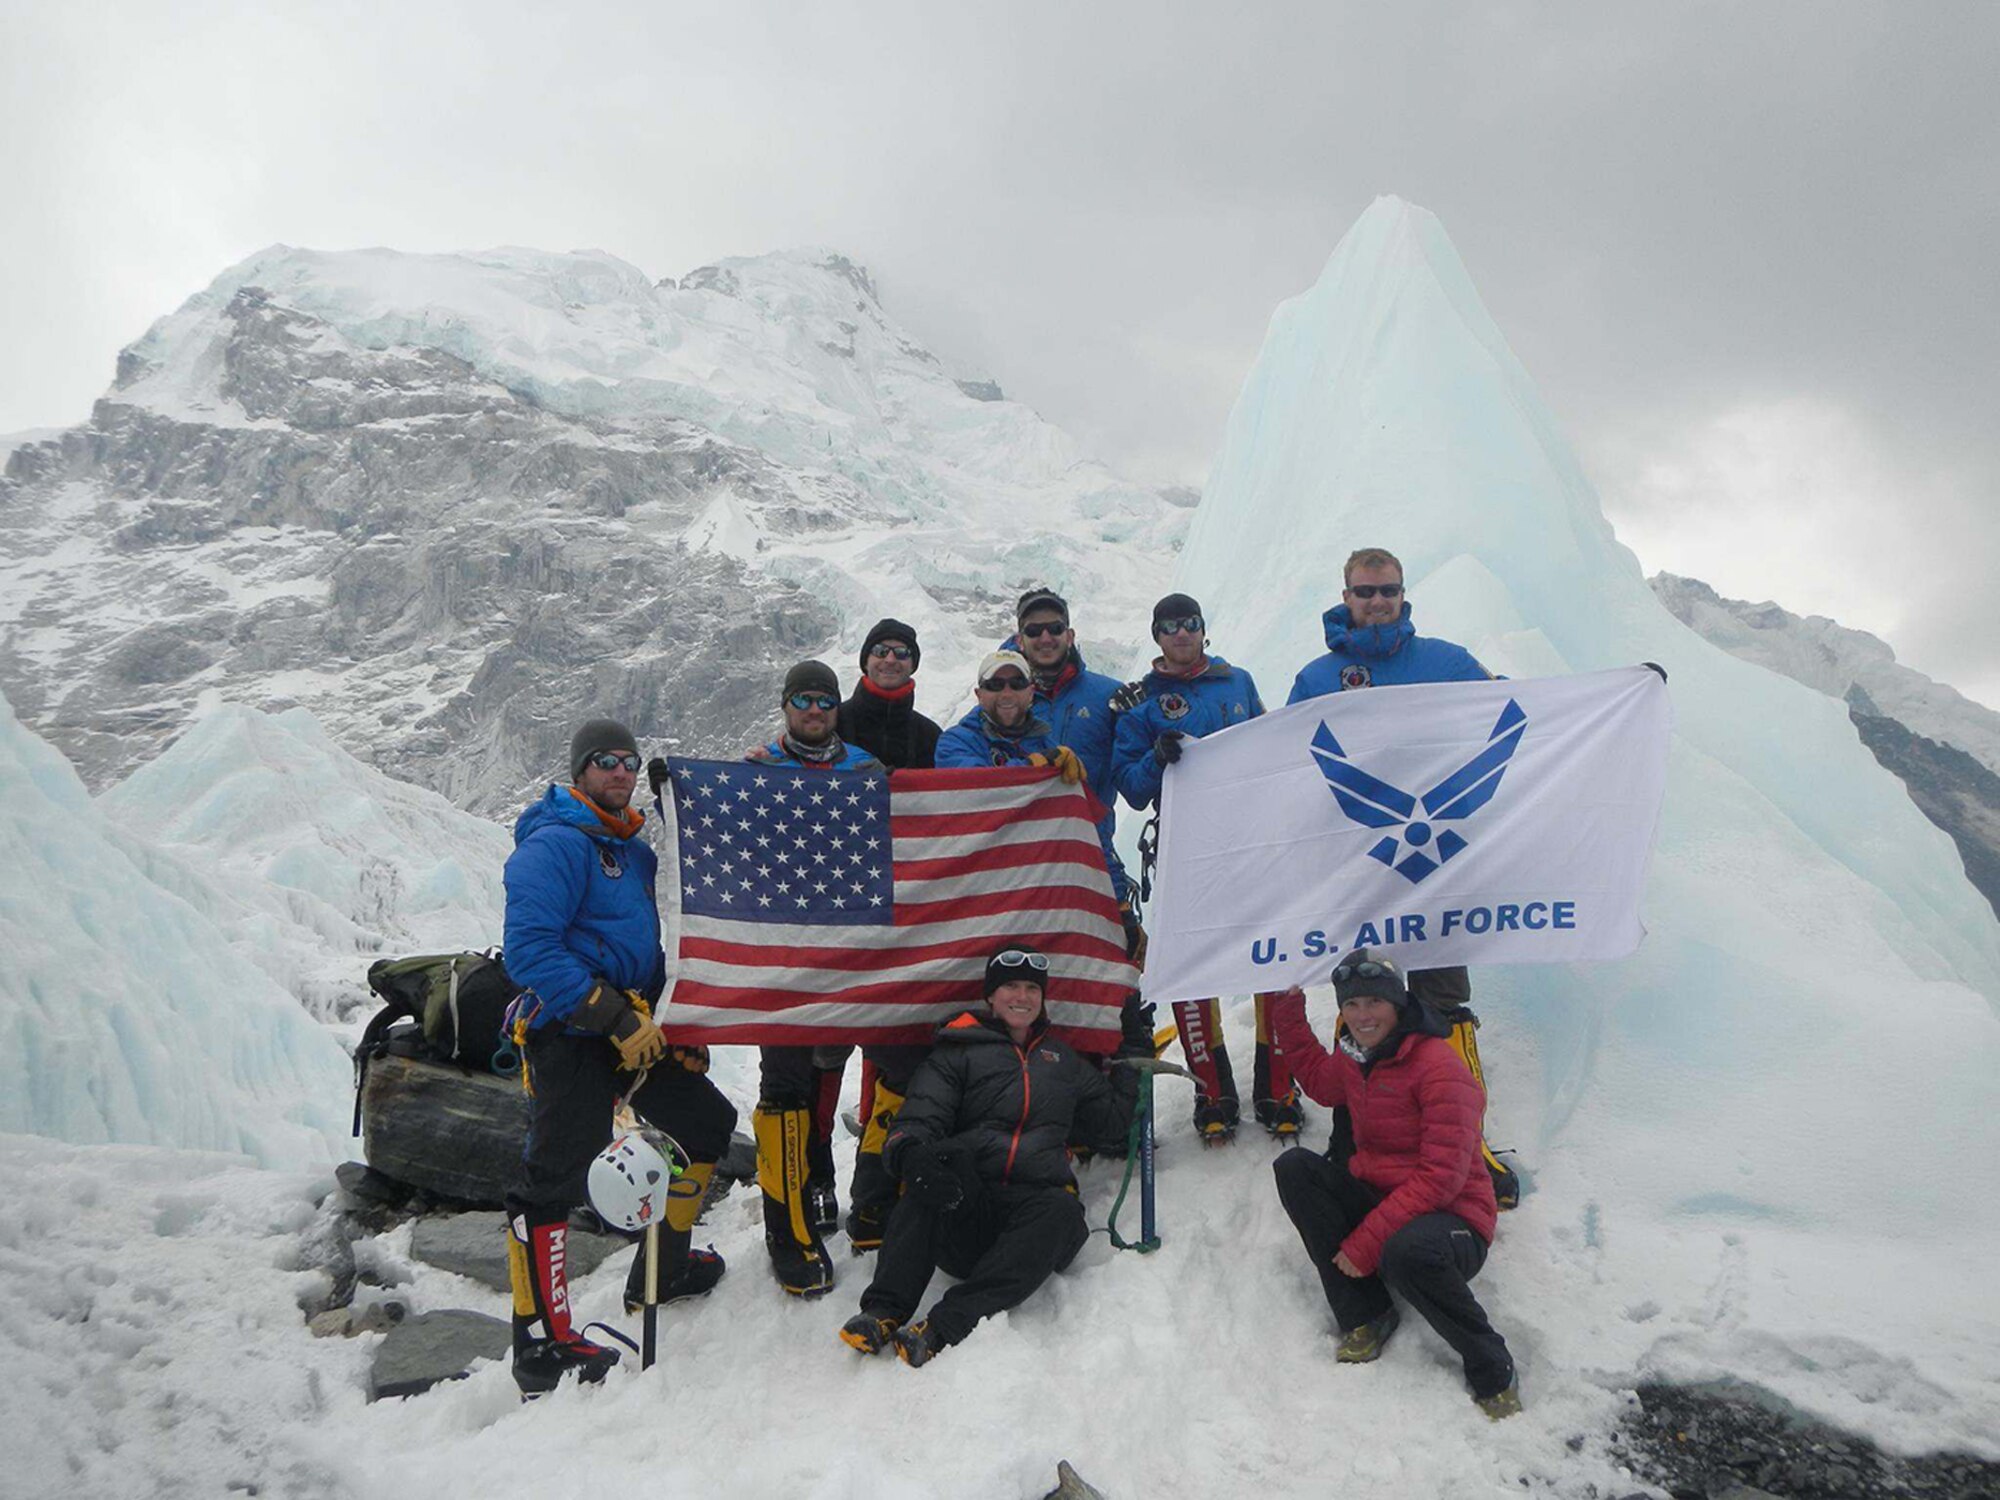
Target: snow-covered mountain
{"x":452,"y":503}
{"x":1942,"y":745}
{"x":1829,"y":656}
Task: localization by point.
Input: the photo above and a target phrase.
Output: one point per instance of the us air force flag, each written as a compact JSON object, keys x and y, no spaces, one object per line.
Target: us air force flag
{"x":1451,"y":823}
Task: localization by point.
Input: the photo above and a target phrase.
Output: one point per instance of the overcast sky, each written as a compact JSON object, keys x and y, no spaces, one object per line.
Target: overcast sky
{"x":1747,"y":252}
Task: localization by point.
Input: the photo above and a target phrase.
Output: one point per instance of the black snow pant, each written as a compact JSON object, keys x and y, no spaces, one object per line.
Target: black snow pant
{"x":1003,"y":1240}
{"x":576,"y":1086}
{"x":1428,"y":1263}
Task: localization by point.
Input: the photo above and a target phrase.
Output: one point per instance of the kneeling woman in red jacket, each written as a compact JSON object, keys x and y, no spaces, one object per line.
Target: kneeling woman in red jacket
{"x":1412,"y":1211}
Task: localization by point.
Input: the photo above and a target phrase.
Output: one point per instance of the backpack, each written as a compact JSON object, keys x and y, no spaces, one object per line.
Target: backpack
{"x":459,"y":1003}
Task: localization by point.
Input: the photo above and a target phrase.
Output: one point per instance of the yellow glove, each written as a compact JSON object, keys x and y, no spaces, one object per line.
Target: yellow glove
{"x":694,"y":1059}
{"x":1065,"y":761}
{"x":640,"y":1046}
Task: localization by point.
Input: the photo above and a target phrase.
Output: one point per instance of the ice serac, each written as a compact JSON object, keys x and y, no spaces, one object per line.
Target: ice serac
{"x":1807,"y":1037}
{"x":311,"y":862}
{"x":125,"y":1013}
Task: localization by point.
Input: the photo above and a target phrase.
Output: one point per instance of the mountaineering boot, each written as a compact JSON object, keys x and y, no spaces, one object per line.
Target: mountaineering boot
{"x":684,"y":1271}
{"x":867,"y":1334}
{"x":1215,"y":1107}
{"x":1278,"y":1108}
{"x":1501,"y":1405}
{"x":917,"y":1343}
{"x":874,"y":1191}
{"x":822,"y":1184}
{"x":798,"y":1255}
{"x":1360,"y":1345}
{"x":1464,"y":1039}
{"x":545,"y":1346}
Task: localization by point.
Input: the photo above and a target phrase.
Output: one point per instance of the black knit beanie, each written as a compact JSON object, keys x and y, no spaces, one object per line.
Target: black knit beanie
{"x":1040,"y":598}
{"x":596,"y":735}
{"x":1385,"y":984}
{"x":810,"y":677}
{"x":891,"y":630}
{"x":1173,"y":607}
{"x":998,"y":973}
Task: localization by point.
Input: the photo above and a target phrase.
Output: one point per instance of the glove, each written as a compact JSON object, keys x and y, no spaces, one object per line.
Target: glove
{"x":1129,"y":696}
{"x":612,"y":1013}
{"x":656,"y":774}
{"x":1135,"y":1028}
{"x":761,"y":753}
{"x":694,"y":1059}
{"x":931,"y":1180}
{"x":1065,"y":761}
{"x":1167,"y":748}
{"x":640,"y":1045}
{"x":1657,"y":668}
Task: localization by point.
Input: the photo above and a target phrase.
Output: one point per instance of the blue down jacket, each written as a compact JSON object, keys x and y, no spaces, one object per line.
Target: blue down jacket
{"x":1223,"y":695}
{"x":1381,"y":656}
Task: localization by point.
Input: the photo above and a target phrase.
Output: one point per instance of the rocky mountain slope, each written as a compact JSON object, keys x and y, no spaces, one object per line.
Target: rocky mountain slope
{"x":452,"y":503}
{"x":1943,"y":746}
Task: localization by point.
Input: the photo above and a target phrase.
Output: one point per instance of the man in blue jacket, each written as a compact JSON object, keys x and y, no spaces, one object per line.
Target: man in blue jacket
{"x":1371,"y":642}
{"x":583,"y":940}
{"x":1186,"y":695}
{"x":1075,"y":702}
{"x":795,"y":1160}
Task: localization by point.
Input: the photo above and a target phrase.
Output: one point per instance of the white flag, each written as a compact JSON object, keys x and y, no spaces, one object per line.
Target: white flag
{"x":1449,"y":823}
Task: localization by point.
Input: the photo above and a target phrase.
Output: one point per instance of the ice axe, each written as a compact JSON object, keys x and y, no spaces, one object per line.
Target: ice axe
{"x":628,"y":1186}
{"x":1140,"y":1144}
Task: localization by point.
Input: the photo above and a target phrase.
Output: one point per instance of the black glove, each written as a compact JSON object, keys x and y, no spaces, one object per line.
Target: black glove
{"x":1167,"y":748}
{"x":1135,"y":1028}
{"x":1129,"y":696}
{"x":929,"y":1176}
{"x":656,"y":774}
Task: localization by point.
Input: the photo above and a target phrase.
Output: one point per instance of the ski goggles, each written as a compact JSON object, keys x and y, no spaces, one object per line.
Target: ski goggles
{"x":1041,"y":628}
{"x":1013,"y":958}
{"x":824,"y":702}
{"x":1174,"y":624}
{"x":1370,"y":590}
{"x":1013,"y":682}
{"x":609,"y":760}
{"x":882,"y":648}
{"x":1367,"y":969}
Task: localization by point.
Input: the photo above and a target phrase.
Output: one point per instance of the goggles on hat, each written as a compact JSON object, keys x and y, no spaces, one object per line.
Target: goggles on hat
{"x":1013,"y":958}
{"x":612,"y":760}
{"x":825,"y":702}
{"x":1367,"y":969}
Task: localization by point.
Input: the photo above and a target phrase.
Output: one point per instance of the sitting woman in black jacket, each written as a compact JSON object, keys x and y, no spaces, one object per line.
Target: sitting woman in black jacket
{"x":981,"y":1145}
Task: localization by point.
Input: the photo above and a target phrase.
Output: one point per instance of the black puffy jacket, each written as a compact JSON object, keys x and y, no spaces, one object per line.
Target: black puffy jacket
{"x":1011,"y":1112}
{"x":890,"y":729}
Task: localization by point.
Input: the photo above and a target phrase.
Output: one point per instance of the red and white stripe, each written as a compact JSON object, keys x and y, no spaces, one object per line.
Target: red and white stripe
{"x":981,"y":860}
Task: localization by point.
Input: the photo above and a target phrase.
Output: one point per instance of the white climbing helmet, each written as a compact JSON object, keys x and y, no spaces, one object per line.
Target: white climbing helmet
{"x":628,"y":1179}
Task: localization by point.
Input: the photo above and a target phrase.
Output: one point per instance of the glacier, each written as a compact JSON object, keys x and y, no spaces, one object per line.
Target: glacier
{"x":126,"y":1014}
{"x":1803,"y":1050}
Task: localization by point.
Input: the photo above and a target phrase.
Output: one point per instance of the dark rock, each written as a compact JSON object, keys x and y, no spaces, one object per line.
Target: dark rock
{"x":739,"y":1162}
{"x":455,"y":1135}
{"x":475,"y":1245}
{"x":365,"y":1182}
{"x":420,"y":1352}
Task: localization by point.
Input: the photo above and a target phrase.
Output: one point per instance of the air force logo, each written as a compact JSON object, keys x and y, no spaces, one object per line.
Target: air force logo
{"x":1376,"y":804}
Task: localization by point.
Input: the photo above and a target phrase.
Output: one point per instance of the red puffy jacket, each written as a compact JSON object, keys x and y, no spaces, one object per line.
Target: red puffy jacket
{"x":1416,"y":1127}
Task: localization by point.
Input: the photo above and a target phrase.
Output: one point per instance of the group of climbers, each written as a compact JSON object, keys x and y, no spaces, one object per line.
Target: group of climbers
{"x":583,"y":938}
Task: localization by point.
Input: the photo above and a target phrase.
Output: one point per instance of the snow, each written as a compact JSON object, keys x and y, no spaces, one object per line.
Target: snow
{"x":1793,"y":1064}
{"x":318,"y":862}
{"x":125,"y":1013}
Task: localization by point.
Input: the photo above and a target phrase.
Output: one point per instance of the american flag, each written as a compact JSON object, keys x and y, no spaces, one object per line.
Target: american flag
{"x":821,"y":907}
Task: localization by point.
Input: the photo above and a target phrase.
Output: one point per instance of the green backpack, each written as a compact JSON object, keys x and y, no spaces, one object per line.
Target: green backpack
{"x":459,"y":1002}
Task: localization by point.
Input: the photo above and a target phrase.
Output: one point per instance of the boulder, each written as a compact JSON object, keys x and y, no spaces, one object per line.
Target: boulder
{"x":475,"y":1245}
{"x":419,"y":1352}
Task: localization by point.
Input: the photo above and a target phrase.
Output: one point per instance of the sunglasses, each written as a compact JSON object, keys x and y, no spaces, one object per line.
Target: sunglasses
{"x":901,"y":653}
{"x":1367,"y":970}
{"x":608,"y":760}
{"x":1192,"y":624}
{"x":1045,"y":627}
{"x":1011,"y":683}
{"x":824,"y":702}
{"x":1013,"y":958}
{"x":1370,"y":590}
